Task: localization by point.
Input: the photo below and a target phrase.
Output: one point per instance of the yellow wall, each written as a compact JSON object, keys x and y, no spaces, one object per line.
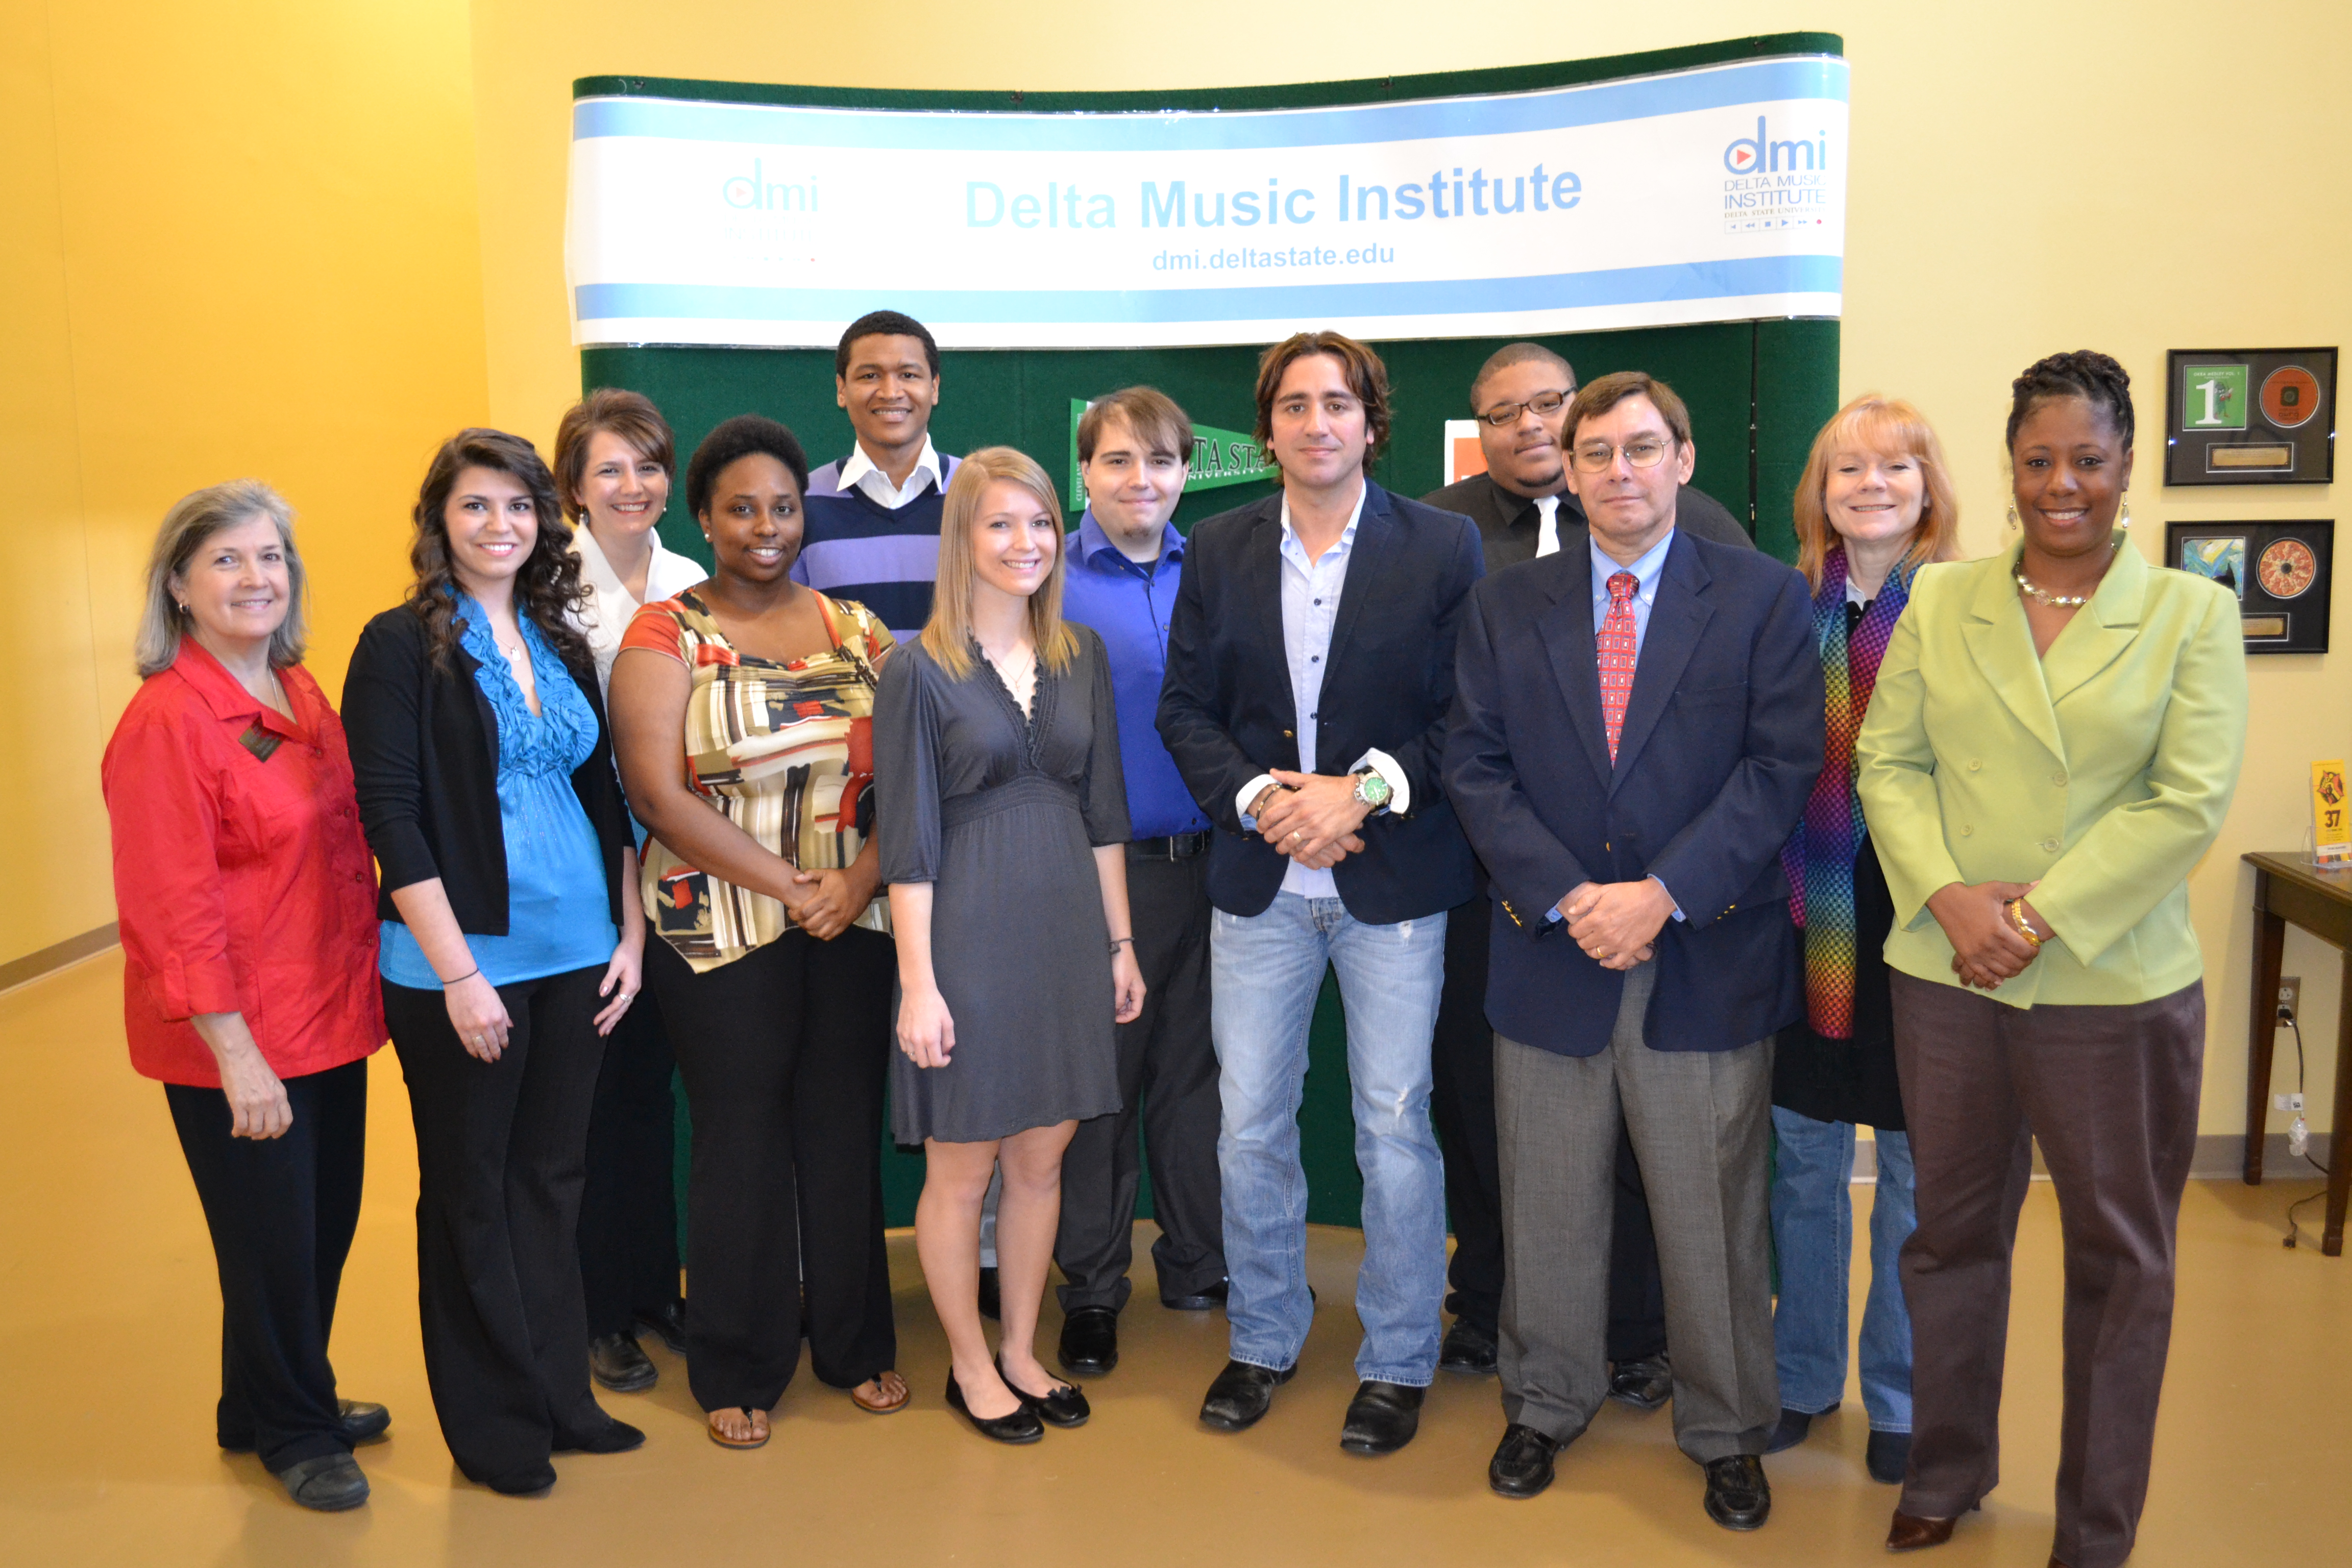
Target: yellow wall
{"x":2027,"y":177}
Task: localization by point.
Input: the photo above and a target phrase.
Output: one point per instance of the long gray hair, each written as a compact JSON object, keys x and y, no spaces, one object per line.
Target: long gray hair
{"x":192,"y":520}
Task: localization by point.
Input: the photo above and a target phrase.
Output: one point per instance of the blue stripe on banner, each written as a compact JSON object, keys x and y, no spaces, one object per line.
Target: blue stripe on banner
{"x":1762,"y":81}
{"x":1302,"y":301}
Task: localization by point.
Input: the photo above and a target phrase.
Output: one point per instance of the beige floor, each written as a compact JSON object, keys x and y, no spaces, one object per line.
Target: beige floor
{"x":109,"y":1311}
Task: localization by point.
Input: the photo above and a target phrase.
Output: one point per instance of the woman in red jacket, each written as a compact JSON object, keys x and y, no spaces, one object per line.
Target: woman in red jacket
{"x":249,"y":957}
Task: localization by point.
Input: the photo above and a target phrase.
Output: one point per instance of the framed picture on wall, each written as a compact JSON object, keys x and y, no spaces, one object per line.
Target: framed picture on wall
{"x":2250,"y":417}
{"x":2281,"y":572}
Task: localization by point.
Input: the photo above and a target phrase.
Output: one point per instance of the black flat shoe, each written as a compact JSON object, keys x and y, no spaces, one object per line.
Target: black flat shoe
{"x":1887,"y":1457}
{"x":612,"y":1437}
{"x":992,"y":1299}
{"x":1738,"y":1495}
{"x":1382,"y":1418}
{"x":669,"y":1325}
{"x":1795,"y":1426}
{"x":1207,"y":1301}
{"x":1240,"y":1395}
{"x":529,"y":1481}
{"x":328,"y":1484}
{"x":1021,"y":1426}
{"x":616,"y":1361}
{"x":363,"y":1423}
{"x":1646,"y":1384}
{"x":1468,"y":1349}
{"x":1090,"y":1346}
{"x":1065,"y":1406}
{"x":1522,"y":1465}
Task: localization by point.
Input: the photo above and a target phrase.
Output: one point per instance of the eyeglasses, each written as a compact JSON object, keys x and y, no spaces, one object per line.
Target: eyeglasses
{"x":1545,"y":404}
{"x":1645,"y":452}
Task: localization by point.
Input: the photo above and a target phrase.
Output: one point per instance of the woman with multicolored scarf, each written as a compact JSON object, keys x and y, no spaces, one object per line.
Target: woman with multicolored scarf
{"x":1874,"y":505}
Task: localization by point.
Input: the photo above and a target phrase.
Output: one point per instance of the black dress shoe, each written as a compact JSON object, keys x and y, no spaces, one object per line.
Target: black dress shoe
{"x":1738,"y":1495}
{"x":1090,"y":1346}
{"x":1645,"y":1385}
{"x":669,"y":1325}
{"x":529,"y":1481}
{"x":991,"y":1300}
{"x":1207,"y":1301}
{"x":1467,"y":1349}
{"x":615,"y":1361}
{"x":1065,"y":1406}
{"x":328,"y":1484}
{"x":1021,"y":1426}
{"x":612,"y":1437}
{"x":363,"y":1423}
{"x":1522,"y":1465}
{"x":1240,"y":1394}
{"x":1887,"y":1457}
{"x":1794,"y":1426}
{"x":1382,"y":1418}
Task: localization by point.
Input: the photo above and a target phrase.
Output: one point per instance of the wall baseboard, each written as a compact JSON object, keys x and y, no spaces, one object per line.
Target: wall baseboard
{"x":56,"y":955}
{"x":2220,"y":1156}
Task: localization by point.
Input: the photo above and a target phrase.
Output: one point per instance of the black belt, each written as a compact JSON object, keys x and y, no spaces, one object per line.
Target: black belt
{"x":1177,"y":846}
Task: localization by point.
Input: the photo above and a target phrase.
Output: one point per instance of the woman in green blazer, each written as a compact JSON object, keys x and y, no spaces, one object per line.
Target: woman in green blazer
{"x":2053,"y":741}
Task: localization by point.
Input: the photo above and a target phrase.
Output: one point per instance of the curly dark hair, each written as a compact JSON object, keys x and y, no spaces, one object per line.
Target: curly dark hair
{"x":745,"y":436}
{"x":547,"y":589}
{"x":2084,"y":373}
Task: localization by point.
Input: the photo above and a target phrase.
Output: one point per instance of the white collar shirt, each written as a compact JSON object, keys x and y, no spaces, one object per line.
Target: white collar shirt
{"x":605,"y":617}
{"x":862,"y":472}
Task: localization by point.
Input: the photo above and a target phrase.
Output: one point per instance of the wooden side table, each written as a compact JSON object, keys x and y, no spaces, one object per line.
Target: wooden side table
{"x":2289,"y":887}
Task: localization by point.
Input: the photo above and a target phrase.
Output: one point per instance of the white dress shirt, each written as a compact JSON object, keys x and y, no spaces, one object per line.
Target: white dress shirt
{"x":862,"y":472}
{"x":1310,"y":612}
{"x":605,"y":617}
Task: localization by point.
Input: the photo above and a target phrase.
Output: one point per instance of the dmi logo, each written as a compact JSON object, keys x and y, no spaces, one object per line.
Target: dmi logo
{"x":1759,"y":154}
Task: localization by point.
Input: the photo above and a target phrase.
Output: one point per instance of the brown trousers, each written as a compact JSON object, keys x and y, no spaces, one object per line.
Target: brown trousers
{"x":2111,"y":1095}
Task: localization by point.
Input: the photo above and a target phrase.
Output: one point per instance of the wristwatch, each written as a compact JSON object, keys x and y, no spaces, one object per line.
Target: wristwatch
{"x":1372,"y":790}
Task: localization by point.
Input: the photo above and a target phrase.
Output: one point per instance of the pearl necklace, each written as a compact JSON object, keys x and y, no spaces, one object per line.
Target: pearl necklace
{"x":2056,"y":601}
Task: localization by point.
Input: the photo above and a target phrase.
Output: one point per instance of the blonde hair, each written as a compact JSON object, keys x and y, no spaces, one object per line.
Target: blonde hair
{"x":1887,"y":426}
{"x":194,"y":519}
{"x":948,"y":636}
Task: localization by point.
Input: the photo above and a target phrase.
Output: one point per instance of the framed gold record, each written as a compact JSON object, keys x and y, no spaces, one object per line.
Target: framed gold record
{"x":2278,"y":571}
{"x":2286,"y":569}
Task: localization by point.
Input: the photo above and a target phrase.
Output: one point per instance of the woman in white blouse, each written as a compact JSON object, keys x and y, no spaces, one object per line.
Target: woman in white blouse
{"x":614,"y":458}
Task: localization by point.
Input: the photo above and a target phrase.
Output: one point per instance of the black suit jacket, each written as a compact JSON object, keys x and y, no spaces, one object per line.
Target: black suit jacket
{"x":1722,"y":740}
{"x":424,"y":756}
{"x":1510,"y":525}
{"x":1227,"y":714}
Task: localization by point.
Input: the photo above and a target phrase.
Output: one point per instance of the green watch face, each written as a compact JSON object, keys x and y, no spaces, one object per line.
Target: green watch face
{"x":1372,"y":790}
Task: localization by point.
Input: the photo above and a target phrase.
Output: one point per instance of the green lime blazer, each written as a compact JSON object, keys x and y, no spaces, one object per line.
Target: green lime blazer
{"x":2101,"y":771}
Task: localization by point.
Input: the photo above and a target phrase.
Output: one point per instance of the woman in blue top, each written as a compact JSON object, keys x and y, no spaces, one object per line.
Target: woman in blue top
{"x":512,"y":943}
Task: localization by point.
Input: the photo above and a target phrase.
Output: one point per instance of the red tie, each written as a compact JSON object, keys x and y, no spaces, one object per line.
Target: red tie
{"x":1616,"y":651}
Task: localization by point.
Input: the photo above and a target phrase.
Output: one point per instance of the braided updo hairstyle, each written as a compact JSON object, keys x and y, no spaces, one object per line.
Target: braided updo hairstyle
{"x":2084,"y":373}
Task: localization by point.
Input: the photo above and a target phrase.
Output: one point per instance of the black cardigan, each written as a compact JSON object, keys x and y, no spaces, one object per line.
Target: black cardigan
{"x":425,"y":755}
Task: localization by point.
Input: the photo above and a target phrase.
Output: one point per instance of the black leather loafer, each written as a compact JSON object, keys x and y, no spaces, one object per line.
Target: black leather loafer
{"x":1206,"y":1300}
{"x":1065,"y":1406}
{"x":612,"y":1437}
{"x":1241,"y":1394}
{"x":669,"y":1325}
{"x":991,"y":1300}
{"x":1887,"y":1457}
{"x":1090,"y":1346}
{"x":529,"y":1481}
{"x":363,"y":1423}
{"x":1522,"y":1465}
{"x":328,"y":1484}
{"x":1738,"y":1495}
{"x":1382,"y":1418}
{"x":615,"y":1361}
{"x":1646,"y":1384}
{"x":1468,"y":1349}
{"x":1794,"y":1427}
{"x":1021,"y":1426}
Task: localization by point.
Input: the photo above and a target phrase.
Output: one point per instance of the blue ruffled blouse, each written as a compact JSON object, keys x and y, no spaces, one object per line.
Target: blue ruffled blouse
{"x":558,"y":915}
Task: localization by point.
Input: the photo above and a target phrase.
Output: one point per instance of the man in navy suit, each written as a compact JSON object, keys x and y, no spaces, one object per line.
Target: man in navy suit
{"x":1310,"y":668}
{"x":1636,"y":728}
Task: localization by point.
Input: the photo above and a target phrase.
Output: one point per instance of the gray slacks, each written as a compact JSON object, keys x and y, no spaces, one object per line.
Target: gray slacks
{"x":1701,"y":1127}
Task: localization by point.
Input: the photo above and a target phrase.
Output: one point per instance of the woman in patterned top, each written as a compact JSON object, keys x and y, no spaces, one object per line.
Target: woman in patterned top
{"x":744,"y":712}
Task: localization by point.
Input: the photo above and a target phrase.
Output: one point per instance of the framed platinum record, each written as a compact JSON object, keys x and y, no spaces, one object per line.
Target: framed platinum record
{"x":2280,"y":572}
{"x":2250,"y":417}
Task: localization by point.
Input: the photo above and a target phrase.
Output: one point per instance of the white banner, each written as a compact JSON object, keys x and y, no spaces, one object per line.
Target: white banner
{"x":1710,"y":194}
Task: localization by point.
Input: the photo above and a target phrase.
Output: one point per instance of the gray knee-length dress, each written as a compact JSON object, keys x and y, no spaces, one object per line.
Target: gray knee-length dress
{"x":1001,"y":814}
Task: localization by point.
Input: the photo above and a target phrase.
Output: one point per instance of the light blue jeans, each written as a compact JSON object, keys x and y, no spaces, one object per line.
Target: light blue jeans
{"x":1812,"y":1236}
{"x":1264,"y":973}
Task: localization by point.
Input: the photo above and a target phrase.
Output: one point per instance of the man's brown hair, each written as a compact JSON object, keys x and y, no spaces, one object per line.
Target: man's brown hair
{"x":1152,"y":415}
{"x":631,"y":416}
{"x":1366,"y":376}
{"x":1601,"y":394}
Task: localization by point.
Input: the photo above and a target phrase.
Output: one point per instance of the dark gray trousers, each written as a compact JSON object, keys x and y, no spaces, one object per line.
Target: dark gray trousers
{"x":1168,"y":1083}
{"x":1701,"y":1127}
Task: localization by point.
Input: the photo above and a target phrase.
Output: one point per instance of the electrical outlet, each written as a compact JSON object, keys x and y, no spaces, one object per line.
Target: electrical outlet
{"x":2291,"y":994}
{"x":2278,"y":1102}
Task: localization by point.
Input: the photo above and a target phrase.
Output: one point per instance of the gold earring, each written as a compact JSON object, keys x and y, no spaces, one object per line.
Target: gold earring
{"x":2126,"y":524}
{"x":2012,"y":517}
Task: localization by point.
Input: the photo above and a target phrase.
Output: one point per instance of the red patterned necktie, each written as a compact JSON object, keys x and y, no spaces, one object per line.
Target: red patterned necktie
{"x":1616,"y":651}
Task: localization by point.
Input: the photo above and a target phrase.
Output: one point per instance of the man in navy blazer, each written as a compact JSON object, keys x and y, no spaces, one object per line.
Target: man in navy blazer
{"x":1310,"y":669}
{"x":1642,"y":953}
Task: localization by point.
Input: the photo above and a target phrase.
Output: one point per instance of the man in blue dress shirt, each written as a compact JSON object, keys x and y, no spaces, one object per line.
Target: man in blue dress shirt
{"x":1125,"y":563}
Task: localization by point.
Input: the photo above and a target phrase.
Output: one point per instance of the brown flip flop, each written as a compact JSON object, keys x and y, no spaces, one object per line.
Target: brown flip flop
{"x":881,"y":1407}
{"x":724,"y":1441}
